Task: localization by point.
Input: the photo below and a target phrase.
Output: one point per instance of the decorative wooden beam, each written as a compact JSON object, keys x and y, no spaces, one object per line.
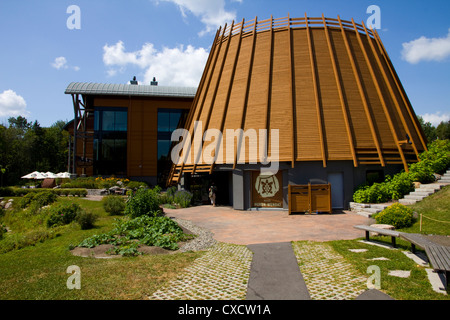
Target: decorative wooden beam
{"x":341,"y":94}
{"x":292,"y":93}
{"x":230,"y":86}
{"x":391,"y":90}
{"x":316,"y":93}
{"x":362,"y":94}
{"x":380,"y":95}
{"x":400,"y":89}
{"x":208,"y":117}
{"x":203,"y":99}
{"x":269,"y":89}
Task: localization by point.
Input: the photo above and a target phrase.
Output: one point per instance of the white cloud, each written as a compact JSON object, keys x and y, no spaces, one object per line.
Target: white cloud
{"x":12,"y":105}
{"x":436,"y":118}
{"x":212,"y":13}
{"x":177,"y":66}
{"x":61,"y":63}
{"x":426,"y":49}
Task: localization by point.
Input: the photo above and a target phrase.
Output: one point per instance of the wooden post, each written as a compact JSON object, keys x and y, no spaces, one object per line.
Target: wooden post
{"x":420,"y":222}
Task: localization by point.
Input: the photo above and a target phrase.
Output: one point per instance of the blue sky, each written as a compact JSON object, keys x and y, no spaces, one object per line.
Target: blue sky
{"x":170,"y":39}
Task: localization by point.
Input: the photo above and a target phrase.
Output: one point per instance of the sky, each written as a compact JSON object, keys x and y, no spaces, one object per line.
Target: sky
{"x":47,"y":44}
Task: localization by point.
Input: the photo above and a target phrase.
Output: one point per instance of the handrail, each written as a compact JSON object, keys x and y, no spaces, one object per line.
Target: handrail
{"x":294,"y":23}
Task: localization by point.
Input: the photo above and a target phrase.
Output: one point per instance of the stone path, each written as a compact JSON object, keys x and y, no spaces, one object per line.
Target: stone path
{"x":327,"y":274}
{"x":222,"y":273}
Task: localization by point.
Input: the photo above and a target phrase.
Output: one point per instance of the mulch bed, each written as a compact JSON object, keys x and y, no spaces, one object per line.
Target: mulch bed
{"x":101,"y":251}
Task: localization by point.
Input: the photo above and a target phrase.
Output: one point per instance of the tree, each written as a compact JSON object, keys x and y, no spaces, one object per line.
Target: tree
{"x":428,"y":129}
{"x":443,"y":130}
{"x":26,"y":147}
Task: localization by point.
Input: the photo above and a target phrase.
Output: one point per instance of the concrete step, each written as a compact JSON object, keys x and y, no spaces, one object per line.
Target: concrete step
{"x":379,"y":206}
{"x":407,"y":201}
{"x":421,"y":193}
{"x":365,"y":214}
{"x":413,"y":197}
{"x":430,"y":186}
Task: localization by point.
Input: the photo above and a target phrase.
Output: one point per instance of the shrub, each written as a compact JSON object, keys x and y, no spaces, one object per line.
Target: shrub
{"x":375,"y":193}
{"x":41,"y":198}
{"x":183,"y":198}
{"x":142,"y":202}
{"x":114,"y":205}
{"x":86,"y":219}
{"x":399,"y":185}
{"x":136,"y":185}
{"x":63,"y":213}
{"x":398,"y":215}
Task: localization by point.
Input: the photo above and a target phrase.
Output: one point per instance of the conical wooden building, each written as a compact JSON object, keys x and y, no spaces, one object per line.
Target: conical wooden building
{"x":328,"y":88}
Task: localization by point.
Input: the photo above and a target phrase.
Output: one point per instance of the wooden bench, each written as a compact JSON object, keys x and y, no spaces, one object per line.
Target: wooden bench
{"x":438,"y":255}
{"x":393,"y":234}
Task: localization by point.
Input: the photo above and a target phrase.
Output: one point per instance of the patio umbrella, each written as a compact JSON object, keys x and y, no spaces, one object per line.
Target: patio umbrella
{"x":50,"y":175}
{"x":31,"y":175}
{"x":63,"y":175}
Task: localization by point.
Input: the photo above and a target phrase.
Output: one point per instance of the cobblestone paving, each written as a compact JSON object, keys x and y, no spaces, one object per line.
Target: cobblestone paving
{"x":327,"y":274}
{"x":220,"y":274}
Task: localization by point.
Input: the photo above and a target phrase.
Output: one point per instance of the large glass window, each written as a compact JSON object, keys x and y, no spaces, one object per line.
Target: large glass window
{"x":110,"y":142}
{"x":168,"y":121}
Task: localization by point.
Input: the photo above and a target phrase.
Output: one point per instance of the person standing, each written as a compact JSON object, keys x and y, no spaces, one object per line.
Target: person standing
{"x":212,"y":194}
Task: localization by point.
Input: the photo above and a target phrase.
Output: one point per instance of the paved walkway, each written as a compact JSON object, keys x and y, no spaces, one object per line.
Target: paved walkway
{"x":254,"y":227}
{"x":256,"y":260}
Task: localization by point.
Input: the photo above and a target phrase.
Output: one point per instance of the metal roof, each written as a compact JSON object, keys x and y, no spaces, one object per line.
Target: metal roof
{"x":130,"y":90}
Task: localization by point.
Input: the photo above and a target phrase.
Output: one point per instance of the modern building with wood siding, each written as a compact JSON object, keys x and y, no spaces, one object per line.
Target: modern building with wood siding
{"x":125,"y":129}
{"x":326,"y":87}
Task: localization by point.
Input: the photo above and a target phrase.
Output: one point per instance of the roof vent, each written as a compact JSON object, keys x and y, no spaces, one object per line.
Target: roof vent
{"x":154,"y":82}
{"x":134,"y":81}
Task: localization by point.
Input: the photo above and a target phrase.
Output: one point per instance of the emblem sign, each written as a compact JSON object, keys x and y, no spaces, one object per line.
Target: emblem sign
{"x":267,"y":191}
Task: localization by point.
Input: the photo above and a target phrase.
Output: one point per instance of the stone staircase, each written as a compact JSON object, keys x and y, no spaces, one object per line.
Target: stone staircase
{"x":423,"y":191}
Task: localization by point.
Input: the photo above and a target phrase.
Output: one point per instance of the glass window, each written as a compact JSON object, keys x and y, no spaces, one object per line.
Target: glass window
{"x":163,"y":121}
{"x":108,"y":120}
{"x":163,"y":148}
{"x":120,"y":121}
{"x":110,"y":142}
{"x":174,"y":119}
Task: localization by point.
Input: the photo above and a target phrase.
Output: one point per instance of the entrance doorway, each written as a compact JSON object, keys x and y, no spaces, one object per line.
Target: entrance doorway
{"x":336,"y":179}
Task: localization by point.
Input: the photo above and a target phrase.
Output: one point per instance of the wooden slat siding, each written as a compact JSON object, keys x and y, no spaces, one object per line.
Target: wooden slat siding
{"x":230,"y":85}
{"x":336,"y":145}
{"x":391,"y":91}
{"x":341,"y":95}
{"x":213,"y":99}
{"x":257,"y":99}
{"x":244,"y":110}
{"x":269,"y":91}
{"x":308,"y":136}
{"x":200,"y":109}
{"x":401,"y":90}
{"x":381,"y":97}
{"x":362,"y":94}
{"x":292,"y":95}
{"x":316,"y":93}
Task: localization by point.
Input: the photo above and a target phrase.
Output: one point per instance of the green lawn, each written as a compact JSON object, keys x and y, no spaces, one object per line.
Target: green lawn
{"x":417,"y":286}
{"x":39,"y":271}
